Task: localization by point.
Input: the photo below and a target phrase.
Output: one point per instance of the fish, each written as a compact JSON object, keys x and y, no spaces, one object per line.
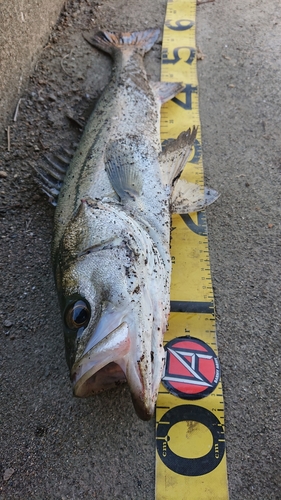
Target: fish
{"x":112,"y":224}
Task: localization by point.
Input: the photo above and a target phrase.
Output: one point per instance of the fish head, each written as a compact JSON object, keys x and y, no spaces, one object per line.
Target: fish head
{"x":114,"y":295}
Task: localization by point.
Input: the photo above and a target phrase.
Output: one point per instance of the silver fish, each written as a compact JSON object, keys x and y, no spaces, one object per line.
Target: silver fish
{"x":111,"y":241}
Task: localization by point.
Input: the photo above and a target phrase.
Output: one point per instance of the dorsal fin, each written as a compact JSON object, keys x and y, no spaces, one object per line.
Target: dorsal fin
{"x":51,"y":171}
{"x":174,"y":155}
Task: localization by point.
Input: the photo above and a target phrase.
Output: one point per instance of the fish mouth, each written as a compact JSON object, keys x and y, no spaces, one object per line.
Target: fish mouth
{"x":109,"y":364}
{"x":107,"y":377}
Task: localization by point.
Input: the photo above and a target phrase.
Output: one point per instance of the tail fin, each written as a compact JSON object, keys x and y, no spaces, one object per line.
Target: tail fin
{"x":139,"y":41}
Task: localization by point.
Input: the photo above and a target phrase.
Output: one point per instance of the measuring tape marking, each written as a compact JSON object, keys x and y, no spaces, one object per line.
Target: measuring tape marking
{"x":192,"y":304}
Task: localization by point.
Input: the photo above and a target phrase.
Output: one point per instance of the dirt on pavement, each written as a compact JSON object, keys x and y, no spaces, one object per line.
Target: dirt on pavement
{"x":24,"y":29}
{"x":52,"y":445}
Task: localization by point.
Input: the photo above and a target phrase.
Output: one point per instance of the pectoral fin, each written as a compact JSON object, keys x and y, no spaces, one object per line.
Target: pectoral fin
{"x":188,"y":197}
{"x":174,"y":155}
{"x":122,"y":170}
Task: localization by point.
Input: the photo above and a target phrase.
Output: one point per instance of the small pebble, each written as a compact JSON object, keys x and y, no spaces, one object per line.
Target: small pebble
{"x":8,"y":323}
{"x":8,"y":473}
{"x":3,"y":174}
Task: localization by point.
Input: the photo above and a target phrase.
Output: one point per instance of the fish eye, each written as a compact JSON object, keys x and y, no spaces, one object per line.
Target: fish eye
{"x":77,"y":315}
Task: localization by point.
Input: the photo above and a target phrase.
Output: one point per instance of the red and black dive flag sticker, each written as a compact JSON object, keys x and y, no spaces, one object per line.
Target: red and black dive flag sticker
{"x":192,"y":368}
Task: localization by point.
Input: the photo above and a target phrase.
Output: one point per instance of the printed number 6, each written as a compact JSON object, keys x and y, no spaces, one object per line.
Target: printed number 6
{"x":179,"y":25}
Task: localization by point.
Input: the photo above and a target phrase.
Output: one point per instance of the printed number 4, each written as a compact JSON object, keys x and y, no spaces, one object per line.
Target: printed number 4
{"x":187,"y":91}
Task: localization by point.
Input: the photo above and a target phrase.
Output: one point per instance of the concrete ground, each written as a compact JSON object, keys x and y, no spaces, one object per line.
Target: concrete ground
{"x":24,"y":30}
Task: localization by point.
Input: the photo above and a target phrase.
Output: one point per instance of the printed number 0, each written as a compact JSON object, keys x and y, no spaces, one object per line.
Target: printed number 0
{"x":190,"y":466}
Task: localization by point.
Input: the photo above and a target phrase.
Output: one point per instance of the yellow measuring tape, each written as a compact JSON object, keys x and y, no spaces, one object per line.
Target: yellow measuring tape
{"x":190,"y":444}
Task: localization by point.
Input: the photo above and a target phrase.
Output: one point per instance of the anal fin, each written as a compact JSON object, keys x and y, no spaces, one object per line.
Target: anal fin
{"x":165,"y":91}
{"x":188,"y":197}
{"x":174,"y":155}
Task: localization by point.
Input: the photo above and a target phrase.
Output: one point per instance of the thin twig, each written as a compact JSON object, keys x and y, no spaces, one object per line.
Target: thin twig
{"x":200,"y":2}
{"x":9,"y":137}
{"x":61,"y":62}
{"x":76,"y":121}
{"x":16,"y":111}
{"x":27,"y":223}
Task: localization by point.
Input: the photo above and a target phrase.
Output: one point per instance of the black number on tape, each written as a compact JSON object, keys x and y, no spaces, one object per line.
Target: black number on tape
{"x":187,"y":91}
{"x":190,"y":466}
{"x":180,"y":25}
{"x":200,"y":228}
{"x":197,"y":152}
{"x":177,"y":58}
